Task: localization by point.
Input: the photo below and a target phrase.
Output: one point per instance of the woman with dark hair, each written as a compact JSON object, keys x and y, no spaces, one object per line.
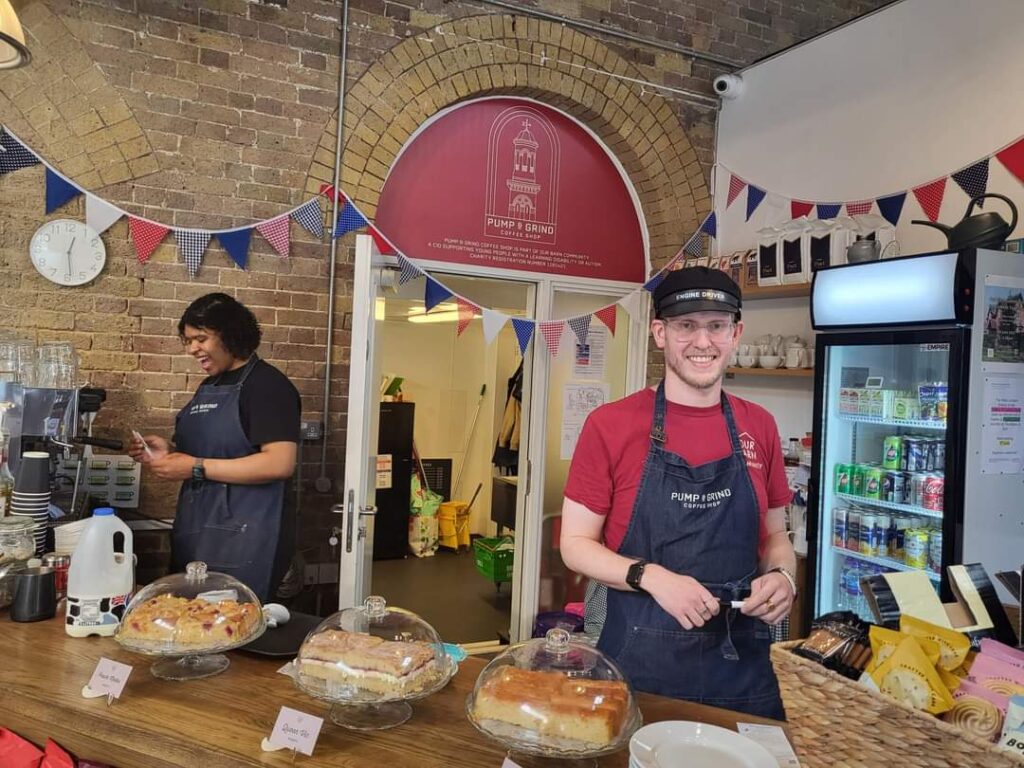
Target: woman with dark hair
{"x":234,"y":448}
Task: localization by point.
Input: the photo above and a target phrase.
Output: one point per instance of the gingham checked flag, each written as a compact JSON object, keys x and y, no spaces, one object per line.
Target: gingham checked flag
{"x":891,"y":207}
{"x":385,"y":248}
{"x":930,"y":197}
{"x":14,"y":155}
{"x":736,"y":185}
{"x":146,"y":235}
{"x":434,"y":294}
{"x":798,"y":208}
{"x":695,"y":245}
{"x":1012,"y":157}
{"x":607,"y":316}
{"x":349,"y":220}
{"x":467,"y":311}
{"x":191,"y":244}
{"x":275,"y":231}
{"x":973,"y":180}
{"x":581,"y":327}
{"x":859,"y":207}
{"x":829,"y":210}
{"x":524,"y":332}
{"x":236,"y":243}
{"x":309,"y":216}
{"x":552,"y":333}
{"x":407,"y":270}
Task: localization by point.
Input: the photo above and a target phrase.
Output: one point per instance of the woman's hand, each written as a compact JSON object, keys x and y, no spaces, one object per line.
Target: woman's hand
{"x":172,"y":466}
{"x":771,"y":598}
{"x":683,"y":597}
{"x":158,"y":447}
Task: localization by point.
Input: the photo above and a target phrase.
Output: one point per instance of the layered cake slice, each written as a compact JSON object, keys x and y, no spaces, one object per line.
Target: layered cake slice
{"x":368,"y":663}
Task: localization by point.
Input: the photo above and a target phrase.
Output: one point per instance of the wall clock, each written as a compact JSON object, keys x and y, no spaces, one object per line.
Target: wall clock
{"x":67,"y":252}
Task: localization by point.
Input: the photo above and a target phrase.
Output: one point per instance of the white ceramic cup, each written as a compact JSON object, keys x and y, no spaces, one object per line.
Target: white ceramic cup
{"x":809,"y":358}
{"x":770,"y":361}
{"x":747,"y":361}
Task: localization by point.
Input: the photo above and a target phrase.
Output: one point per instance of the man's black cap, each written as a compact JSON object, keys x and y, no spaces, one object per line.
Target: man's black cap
{"x":696,"y":289}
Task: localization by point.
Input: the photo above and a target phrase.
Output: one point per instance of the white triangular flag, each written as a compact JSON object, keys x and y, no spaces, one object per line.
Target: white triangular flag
{"x":100,"y":215}
{"x":631,"y":302}
{"x":493,"y":323}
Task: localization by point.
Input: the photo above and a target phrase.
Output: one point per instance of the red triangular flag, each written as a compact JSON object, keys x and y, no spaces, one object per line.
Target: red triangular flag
{"x":327,"y":190}
{"x":467,"y":311}
{"x":607,"y":316}
{"x":930,"y":197}
{"x":798,"y":208}
{"x":736,"y":185}
{"x":552,"y":333}
{"x":861,"y":206}
{"x":275,"y":231}
{"x":1013,"y":158}
{"x":385,"y":248}
{"x":146,"y":235}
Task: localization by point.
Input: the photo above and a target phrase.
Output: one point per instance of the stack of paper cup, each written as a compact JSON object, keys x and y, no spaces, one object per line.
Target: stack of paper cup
{"x":66,"y":535}
{"x":31,"y":496}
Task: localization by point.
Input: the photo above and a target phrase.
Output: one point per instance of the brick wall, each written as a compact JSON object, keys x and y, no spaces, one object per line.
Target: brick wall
{"x":220,"y":113}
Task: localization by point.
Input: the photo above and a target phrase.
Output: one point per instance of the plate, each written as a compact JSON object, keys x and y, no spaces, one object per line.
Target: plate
{"x":685,"y":744}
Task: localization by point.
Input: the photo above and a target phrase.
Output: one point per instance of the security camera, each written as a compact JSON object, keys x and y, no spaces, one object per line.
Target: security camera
{"x":728,"y":86}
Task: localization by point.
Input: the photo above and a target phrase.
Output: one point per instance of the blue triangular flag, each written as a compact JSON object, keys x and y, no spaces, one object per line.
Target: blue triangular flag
{"x":710,"y":225}
{"x":236,"y":243}
{"x":973,"y":180}
{"x":309,"y":216}
{"x":754,"y":197}
{"x":435,"y":293}
{"x":407,"y":270}
{"x":13,"y":154}
{"x":349,"y":219}
{"x":524,"y":332}
{"x":891,"y":207}
{"x":58,"y":191}
{"x":654,"y":282}
{"x":829,"y":210}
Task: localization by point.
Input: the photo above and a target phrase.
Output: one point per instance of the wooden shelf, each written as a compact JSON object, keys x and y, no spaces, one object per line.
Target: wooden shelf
{"x":793,"y":373}
{"x":792,"y":291}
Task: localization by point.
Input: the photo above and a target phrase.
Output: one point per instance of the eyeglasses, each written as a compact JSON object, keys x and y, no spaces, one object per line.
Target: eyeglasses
{"x":687,"y":330}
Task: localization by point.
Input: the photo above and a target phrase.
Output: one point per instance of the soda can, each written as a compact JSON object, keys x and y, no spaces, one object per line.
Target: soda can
{"x":853,"y":530}
{"x":839,"y":527}
{"x":899,"y":487}
{"x":842,"y":478}
{"x":881,"y":536}
{"x":888,"y":481}
{"x":902,"y":523}
{"x":915,"y":548}
{"x":917,"y":489}
{"x":935,"y":550}
{"x":904,"y":451}
{"x":892,"y":450}
{"x":857,"y":479}
{"x":873,"y":483}
{"x":939,"y":446}
{"x":932,"y":490}
{"x":867,"y":534}
{"x":917,"y":456}
{"x":930,"y":454}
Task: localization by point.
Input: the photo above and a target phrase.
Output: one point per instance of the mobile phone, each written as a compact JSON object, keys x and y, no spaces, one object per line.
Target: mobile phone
{"x":141,"y":439}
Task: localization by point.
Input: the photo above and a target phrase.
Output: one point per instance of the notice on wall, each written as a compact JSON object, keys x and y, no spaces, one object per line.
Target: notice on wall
{"x":1002,"y":436}
{"x":1002,"y":346}
{"x":384,"y":472}
{"x":578,"y":400}
{"x":589,"y":358}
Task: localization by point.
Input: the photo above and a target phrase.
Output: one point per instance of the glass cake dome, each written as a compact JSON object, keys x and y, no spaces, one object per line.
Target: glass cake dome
{"x":370,"y":661}
{"x":191,"y":617}
{"x":554,"y":697}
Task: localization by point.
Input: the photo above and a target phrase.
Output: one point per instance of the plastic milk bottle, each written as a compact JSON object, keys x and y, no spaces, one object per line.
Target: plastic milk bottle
{"x":100,"y":580}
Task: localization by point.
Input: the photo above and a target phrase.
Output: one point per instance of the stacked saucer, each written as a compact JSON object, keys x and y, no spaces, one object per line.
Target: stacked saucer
{"x":31,"y":496}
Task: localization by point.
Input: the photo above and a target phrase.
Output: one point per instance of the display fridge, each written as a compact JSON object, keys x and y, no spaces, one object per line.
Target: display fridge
{"x":918,"y":365}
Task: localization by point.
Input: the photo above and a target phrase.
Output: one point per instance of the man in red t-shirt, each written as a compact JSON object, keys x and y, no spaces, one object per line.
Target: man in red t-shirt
{"x":675,"y":503}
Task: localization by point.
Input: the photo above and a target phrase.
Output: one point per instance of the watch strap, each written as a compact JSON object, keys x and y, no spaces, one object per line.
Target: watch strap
{"x":635,"y":574}
{"x":198,"y":470}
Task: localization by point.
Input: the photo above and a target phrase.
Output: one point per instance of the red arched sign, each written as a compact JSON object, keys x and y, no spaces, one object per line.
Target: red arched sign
{"x":513,"y":184}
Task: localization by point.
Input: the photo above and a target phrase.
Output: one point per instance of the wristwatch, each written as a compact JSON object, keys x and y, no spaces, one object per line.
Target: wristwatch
{"x":198,"y":471}
{"x":635,"y":574}
{"x":789,"y":576}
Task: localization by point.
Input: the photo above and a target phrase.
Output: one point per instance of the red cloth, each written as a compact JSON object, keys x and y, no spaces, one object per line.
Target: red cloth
{"x":56,"y":757}
{"x":608,"y":462}
{"x":15,"y":752}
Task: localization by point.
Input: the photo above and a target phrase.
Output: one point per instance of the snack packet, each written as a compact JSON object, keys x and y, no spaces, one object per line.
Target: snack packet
{"x":1003,"y":652}
{"x":1014,"y":716}
{"x":977,"y":711}
{"x":885,"y":641}
{"x":997,"y":675}
{"x":909,"y":678}
{"x":953,"y":645}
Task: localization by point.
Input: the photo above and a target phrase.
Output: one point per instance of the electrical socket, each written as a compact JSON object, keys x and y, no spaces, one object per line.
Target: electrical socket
{"x":311,"y":430}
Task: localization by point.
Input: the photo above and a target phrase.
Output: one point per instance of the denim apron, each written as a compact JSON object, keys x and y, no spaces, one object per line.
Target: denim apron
{"x":699,"y":521}
{"x":233,"y":528}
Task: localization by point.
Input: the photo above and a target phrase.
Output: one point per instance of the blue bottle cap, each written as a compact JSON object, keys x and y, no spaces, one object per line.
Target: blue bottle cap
{"x":100,"y":511}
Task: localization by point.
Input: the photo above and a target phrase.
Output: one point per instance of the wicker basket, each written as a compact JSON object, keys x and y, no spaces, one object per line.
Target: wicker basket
{"x":836,"y":722}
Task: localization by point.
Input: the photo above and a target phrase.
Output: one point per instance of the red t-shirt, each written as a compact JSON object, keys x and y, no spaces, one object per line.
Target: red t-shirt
{"x":612,"y":448}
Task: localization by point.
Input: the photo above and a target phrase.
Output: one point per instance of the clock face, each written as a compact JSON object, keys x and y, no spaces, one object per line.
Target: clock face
{"x":67,"y":252}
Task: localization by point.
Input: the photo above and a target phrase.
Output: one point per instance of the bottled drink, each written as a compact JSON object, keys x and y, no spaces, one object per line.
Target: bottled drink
{"x":100,"y":580}
{"x":6,"y":478}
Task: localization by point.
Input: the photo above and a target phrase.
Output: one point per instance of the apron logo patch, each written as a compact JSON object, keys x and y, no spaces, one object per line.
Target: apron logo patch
{"x":201,"y":408}
{"x":701,"y":500}
{"x":749,"y":447}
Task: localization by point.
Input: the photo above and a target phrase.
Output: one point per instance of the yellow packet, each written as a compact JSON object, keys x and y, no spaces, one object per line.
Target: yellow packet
{"x":953,"y":645}
{"x":909,"y":678}
{"x":885,"y":641}
{"x":949,"y":679}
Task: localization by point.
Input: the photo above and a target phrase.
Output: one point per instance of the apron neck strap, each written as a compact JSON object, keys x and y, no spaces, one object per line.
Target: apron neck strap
{"x":246,"y":370}
{"x":661,"y":406}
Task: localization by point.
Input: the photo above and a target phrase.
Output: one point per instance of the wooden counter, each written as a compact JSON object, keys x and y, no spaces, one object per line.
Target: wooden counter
{"x":219,"y":722}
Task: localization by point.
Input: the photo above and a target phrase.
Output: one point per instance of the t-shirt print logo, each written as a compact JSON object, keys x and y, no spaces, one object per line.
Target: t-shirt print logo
{"x":200,"y":409}
{"x":749,"y":446}
{"x":707,"y":500}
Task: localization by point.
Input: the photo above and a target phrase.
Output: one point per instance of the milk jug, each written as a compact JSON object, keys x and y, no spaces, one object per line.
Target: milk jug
{"x":100,"y":580}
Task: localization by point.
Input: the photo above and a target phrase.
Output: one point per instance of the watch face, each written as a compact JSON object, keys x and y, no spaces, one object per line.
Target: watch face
{"x":67,"y":252}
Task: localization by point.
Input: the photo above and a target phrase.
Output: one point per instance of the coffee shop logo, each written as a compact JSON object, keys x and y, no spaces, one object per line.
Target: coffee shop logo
{"x":523,"y":168}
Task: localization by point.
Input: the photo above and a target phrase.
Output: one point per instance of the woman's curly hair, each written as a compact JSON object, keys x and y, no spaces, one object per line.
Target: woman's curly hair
{"x":234,"y":322}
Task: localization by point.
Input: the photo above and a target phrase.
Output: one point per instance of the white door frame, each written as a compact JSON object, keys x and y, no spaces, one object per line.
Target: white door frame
{"x":360,"y":453}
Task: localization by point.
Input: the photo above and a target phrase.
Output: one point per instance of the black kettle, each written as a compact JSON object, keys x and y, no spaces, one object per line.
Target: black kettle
{"x":985,"y":230}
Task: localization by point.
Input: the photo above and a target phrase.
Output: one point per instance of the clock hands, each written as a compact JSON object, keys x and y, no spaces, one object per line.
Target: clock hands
{"x":70,"y":248}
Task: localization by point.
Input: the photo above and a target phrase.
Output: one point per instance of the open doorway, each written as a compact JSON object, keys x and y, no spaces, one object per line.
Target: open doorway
{"x":451,"y":437}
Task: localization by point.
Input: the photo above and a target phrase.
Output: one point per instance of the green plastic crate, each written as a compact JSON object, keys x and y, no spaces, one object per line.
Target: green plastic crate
{"x":493,"y":563}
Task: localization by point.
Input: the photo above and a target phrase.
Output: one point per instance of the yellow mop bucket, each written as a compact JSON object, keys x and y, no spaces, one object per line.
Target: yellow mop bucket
{"x":453,"y":524}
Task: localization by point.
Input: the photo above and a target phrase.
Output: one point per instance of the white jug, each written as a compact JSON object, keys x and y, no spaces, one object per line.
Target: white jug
{"x":100,"y":580}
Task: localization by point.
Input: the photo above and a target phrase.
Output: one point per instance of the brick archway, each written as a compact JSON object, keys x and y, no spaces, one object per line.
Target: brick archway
{"x":501,"y":55}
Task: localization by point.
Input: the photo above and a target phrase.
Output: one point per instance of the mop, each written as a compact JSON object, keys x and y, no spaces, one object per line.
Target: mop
{"x":469,"y":439}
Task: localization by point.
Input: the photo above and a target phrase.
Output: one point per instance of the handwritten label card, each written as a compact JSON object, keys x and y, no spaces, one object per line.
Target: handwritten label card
{"x":296,"y":730}
{"x":110,"y":677}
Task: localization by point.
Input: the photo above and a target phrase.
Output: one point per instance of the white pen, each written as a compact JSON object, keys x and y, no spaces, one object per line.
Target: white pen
{"x":145,"y":445}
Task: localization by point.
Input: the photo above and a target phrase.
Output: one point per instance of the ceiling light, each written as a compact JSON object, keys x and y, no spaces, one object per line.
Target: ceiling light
{"x":13,"y":53}
{"x":449,"y":316}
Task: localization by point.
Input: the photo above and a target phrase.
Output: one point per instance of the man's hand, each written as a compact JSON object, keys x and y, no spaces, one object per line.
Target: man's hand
{"x":157,"y":445}
{"x":682,"y":597}
{"x":771,"y":598}
{"x":172,"y":466}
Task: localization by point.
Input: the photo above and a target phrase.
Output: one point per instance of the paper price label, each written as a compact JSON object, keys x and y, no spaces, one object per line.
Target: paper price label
{"x":296,"y":730}
{"x":772,"y":738}
{"x":110,"y":677}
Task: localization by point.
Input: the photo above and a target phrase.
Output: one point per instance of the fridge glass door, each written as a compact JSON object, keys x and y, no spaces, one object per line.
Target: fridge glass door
{"x":882,"y":462}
